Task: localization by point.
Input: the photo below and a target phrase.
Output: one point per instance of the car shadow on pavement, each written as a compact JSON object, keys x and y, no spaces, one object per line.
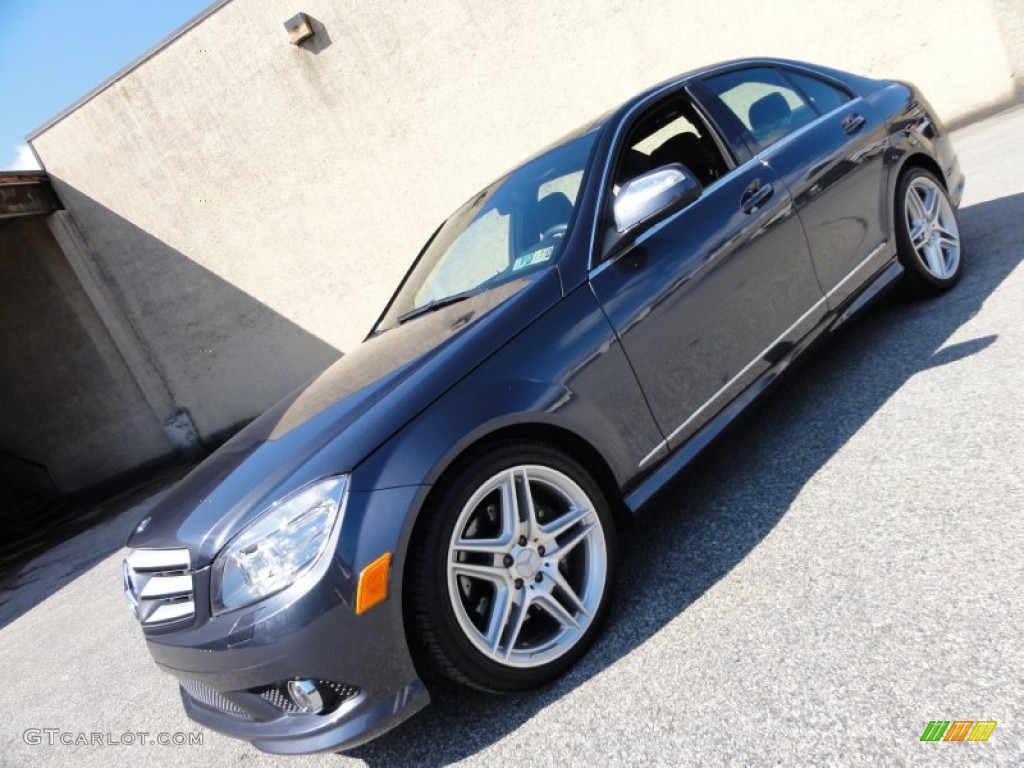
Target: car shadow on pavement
{"x":708,"y":520}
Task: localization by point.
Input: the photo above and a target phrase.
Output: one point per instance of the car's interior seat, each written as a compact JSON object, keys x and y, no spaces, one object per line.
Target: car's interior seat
{"x":768,"y":115}
{"x":688,"y":149}
{"x":553,"y":210}
{"x":633,"y":163}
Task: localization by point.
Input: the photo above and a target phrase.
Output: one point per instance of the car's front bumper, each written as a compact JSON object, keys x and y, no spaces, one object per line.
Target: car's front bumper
{"x":357,"y":721}
{"x":233,"y":667}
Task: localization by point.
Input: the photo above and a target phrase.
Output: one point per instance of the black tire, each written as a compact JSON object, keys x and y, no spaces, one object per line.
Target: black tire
{"x":431,"y":611}
{"x":921,"y":280}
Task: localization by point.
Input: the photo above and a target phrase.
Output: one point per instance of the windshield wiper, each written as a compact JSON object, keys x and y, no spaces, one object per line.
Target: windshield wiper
{"x":430,"y":306}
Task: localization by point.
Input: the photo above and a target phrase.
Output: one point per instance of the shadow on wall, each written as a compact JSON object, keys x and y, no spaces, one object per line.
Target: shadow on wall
{"x":65,"y":396}
{"x":734,"y":495}
{"x":224,"y":355}
{"x":320,"y":41}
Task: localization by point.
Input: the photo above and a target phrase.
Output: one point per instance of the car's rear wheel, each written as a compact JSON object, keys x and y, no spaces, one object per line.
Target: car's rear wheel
{"x":927,"y":234}
{"x":511,"y":574}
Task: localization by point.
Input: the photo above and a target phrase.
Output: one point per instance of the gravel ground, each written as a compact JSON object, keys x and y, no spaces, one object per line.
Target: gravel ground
{"x":843,"y":567}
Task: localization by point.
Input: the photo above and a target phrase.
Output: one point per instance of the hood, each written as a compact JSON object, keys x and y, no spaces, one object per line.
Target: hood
{"x":334,"y":422}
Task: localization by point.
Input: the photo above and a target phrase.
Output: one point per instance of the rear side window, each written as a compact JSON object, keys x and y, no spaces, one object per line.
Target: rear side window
{"x":823,"y":96}
{"x":767,"y":105}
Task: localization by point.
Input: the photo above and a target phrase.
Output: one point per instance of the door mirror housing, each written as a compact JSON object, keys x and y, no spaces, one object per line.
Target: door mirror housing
{"x":654,"y":195}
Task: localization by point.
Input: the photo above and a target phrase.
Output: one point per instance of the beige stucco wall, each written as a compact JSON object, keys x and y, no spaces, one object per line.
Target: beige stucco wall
{"x":260,"y":200}
{"x":1010,"y":16}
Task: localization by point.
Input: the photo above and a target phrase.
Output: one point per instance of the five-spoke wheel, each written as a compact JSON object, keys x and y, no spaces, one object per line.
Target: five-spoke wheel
{"x":512,"y":575}
{"x":928,"y":234}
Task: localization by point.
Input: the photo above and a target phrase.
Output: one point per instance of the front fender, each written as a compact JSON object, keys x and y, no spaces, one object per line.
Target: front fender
{"x":566,"y":370}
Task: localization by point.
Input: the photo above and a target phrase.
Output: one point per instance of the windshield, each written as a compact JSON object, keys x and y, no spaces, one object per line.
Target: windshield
{"x":514,"y":226}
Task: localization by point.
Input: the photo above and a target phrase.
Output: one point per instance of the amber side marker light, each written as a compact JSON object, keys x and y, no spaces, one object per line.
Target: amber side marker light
{"x":373,"y":584}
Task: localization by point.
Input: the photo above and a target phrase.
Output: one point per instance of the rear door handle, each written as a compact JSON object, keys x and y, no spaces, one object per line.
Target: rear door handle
{"x":852,"y":123}
{"x":756,"y":195}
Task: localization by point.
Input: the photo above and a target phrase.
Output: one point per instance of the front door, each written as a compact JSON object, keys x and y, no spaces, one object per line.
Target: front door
{"x":707,"y":299}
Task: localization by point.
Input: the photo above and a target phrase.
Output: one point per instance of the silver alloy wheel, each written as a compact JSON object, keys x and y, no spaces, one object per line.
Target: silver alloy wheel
{"x":932,"y":226}
{"x":527,"y":566}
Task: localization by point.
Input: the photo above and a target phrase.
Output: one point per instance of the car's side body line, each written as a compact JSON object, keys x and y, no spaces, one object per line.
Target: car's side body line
{"x":869,"y":266}
{"x":885,"y":280}
{"x":804,"y":324}
{"x":655,"y":452}
{"x":676,"y":461}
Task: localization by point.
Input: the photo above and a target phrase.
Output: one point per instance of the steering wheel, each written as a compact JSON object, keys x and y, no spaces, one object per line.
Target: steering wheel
{"x":556,"y":230}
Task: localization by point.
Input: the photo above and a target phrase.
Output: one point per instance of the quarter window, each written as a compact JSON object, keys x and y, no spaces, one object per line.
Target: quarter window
{"x":768,"y":106}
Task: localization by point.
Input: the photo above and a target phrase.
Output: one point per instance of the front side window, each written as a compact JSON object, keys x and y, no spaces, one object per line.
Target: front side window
{"x":672,"y":132}
{"x":669,"y":133}
{"x":516,"y":225}
{"x":767,"y":105}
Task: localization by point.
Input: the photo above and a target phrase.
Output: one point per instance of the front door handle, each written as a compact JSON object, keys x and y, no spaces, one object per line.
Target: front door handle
{"x":756,"y":195}
{"x":852,"y":123}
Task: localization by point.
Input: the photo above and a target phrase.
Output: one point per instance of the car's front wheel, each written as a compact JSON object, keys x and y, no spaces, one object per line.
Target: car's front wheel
{"x":510,"y":575}
{"x":927,"y":234}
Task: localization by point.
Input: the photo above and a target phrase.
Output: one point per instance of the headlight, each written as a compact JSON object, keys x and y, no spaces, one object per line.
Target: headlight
{"x":279,"y":546}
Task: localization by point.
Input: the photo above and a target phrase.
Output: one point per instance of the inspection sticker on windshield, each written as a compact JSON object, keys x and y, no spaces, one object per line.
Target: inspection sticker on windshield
{"x":537,"y":257}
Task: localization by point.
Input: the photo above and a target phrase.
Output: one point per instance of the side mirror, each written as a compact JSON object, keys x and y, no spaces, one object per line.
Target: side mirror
{"x":654,"y":194}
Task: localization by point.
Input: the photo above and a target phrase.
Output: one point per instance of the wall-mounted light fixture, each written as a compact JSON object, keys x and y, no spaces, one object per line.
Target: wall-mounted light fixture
{"x":299,"y":29}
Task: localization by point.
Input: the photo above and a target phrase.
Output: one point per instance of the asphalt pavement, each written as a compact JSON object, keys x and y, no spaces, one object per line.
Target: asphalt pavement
{"x":843,"y":567}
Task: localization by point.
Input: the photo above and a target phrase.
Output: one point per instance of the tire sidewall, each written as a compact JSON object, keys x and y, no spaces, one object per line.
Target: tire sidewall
{"x":475,"y":668}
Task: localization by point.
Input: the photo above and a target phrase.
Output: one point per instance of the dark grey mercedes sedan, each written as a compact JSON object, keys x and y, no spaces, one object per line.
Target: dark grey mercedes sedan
{"x":446,"y":497}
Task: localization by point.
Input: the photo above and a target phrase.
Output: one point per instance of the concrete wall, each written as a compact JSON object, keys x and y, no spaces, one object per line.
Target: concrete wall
{"x":259,"y":200}
{"x":1010,"y":16}
{"x":67,"y":399}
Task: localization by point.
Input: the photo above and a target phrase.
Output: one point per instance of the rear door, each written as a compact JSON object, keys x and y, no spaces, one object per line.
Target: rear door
{"x":828,"y":147}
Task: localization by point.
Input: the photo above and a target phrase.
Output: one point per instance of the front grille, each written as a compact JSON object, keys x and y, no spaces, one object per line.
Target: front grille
{"x":213,"y":699}
{"x":158,"y":585}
